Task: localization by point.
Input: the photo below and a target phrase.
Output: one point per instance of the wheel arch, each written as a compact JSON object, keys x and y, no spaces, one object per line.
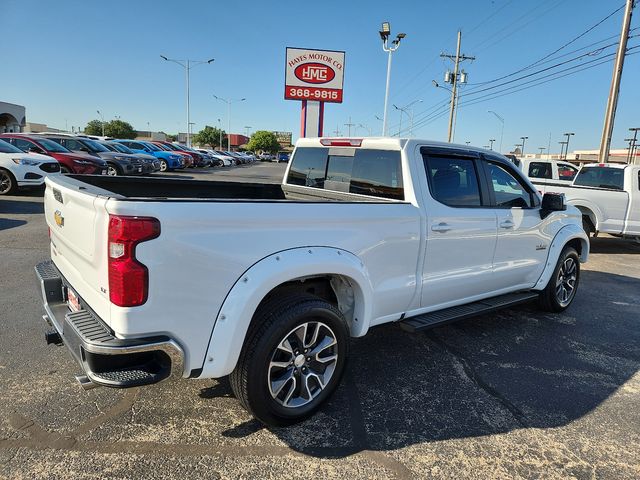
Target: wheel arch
{"x":335,"y":275}
{"x":589,"y":211}
{"x":572,"y":235}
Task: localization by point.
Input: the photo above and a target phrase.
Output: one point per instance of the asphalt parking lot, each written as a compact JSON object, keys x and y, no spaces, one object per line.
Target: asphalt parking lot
{"x":517,"y":394}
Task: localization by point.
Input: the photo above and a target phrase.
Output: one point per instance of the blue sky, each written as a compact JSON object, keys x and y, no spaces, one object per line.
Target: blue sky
{"x":64,"y":60}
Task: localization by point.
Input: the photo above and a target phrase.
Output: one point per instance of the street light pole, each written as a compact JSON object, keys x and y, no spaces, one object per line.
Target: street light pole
{"x":523,"y":141}
{"x":491,"y":140}
{"x":502,"y":130}
{"x":541,"y":150}
{"x":220,"y":130}
{"x":568,"y":135}
{"x":188,"y":65}
{"x":102,"y":121}
{"x":229,"y":101}
{"x":633,"y":144}
{"x":562,"y":144}
{"x":385,"y":33}
{"x":409,"y":114}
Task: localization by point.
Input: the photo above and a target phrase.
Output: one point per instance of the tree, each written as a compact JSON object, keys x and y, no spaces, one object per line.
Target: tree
{"x":170,"y":138}
{"x":94,"y":127}
{"x":264,"y":141}
{"x":209,"y":136}
{"x":119,"y":129}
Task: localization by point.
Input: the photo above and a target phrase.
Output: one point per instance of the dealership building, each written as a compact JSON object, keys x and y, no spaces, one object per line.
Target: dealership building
{"x":12,"y":117}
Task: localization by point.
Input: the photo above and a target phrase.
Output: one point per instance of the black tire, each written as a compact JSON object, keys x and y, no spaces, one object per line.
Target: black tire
{"x":8,"y":183}
{"x":113,"y":170}
{"x":552,"y":297}
{"x":270,"y":326}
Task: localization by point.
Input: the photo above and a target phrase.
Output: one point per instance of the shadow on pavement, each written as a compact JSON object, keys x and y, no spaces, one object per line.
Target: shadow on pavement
{"x":613,"y":245}
{"x":18,"y":207}
{"x":7,"y":223}
{"x":516,"y":369}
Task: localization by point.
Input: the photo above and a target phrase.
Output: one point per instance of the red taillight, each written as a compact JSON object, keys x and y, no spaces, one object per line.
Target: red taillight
{"x":341,"y":142}
{"x":128,"y":278}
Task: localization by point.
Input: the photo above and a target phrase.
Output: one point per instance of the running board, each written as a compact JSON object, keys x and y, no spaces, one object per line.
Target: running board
{"x":453,"y":314}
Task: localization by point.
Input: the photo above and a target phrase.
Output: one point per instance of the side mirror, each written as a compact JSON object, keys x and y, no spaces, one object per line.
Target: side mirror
{"x":552,"y":202}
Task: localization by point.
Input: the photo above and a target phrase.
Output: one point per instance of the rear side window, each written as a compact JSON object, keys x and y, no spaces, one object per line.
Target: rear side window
{"x":540,"y":170}
{"x":453,"y":181}
{"x":566,"y":171}
{"x":601,"y":177}
{"x":376,"y":173}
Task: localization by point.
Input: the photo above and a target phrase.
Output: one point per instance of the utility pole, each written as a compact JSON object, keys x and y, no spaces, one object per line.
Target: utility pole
{"x":523,"y":141}
{"x":568,"y":135}
{"x":491,"y":140}
{"x":632,"y":150}
{"x":349,"y":125}
{"x":455,"y":80}
{"x":337,"y":131}
{"x":612,"y":102}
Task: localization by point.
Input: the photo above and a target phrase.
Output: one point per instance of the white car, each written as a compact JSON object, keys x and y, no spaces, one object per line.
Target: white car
{"x":361,"y":232}
{"x":19,"y":169}
{"x":608,"y":195}
{"x":547,"y":172}
{"x":226,"y":161}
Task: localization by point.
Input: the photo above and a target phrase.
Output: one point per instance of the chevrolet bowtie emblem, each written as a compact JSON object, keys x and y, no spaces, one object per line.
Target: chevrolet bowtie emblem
{"x":58,"y":218}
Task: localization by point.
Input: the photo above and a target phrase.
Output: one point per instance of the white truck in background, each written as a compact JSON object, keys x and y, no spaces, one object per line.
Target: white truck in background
{"x":547,"y":172}
{"x":152,"y":277}
{"x":608,"y":195}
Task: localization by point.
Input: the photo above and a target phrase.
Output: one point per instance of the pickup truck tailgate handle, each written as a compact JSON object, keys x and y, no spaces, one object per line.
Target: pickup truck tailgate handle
{"x":507,"y":224}
{"x":441,"y":227}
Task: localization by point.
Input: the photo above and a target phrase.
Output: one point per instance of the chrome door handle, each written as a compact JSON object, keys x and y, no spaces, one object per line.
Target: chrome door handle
{"x":507,"y":224}
{"x":441,"y":227}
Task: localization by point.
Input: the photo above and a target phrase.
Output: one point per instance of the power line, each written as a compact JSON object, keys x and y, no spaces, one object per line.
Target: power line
{"x":600,"y":22}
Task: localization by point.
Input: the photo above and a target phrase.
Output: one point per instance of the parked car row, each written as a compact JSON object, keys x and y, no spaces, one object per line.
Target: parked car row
{"x":25,"y":159}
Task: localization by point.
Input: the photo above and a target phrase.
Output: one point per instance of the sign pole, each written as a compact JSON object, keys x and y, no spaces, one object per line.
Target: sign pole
{"x":311,"y":119}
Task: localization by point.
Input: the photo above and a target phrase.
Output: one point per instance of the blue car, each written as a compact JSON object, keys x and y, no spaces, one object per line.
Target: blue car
{"x":168,"y":160}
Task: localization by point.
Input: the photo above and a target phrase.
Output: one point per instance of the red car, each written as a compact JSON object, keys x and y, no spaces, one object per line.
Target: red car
{"x":70,"y":162}
{"x":196,"y":158}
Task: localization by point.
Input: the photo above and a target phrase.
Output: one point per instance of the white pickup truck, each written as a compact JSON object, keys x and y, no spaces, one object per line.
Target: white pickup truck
{"x":545,"y":172}
{"x":152,"y":277}
{"x":608,"y":195}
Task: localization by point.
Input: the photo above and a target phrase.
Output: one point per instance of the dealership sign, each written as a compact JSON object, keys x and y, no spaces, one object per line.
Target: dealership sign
{"x":315,"y":75}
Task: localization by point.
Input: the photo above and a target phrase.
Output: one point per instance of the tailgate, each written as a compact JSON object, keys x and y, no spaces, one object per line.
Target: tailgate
{"x":78,"y":222}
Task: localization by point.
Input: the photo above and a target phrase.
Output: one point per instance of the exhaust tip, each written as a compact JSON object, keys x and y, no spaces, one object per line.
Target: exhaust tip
{"x":85,"y":383}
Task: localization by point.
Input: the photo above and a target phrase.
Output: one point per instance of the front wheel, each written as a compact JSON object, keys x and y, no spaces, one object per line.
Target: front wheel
{"x":292,"y":360}
{"x":8,"y":184}
{"x":163,"y":166}
{"x":563,"y":284}
{"x":112,"y":170}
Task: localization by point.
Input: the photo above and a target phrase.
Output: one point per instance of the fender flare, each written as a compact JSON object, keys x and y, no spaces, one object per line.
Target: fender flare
{"x":240,"y":304}
{"x":590,"y":209}
{"x":564,"y":236}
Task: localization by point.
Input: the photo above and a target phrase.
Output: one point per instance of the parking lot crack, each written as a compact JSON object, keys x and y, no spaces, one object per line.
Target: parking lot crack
{"x":480,"y":383}
{"x":124,"y":405}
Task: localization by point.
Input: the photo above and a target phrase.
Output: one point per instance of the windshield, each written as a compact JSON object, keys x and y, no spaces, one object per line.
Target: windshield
{"x":52,"y":146}
{"x":153,"y":147}
{"x":120,"y":147}
{"x":170,"y":147}
{"x":94,"y":146}
{"x":602,"y":177}
{"x":6,"y":147}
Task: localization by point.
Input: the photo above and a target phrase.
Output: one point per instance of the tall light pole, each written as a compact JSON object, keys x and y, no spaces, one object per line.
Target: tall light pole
{"x":491,"y":140}
{"x":246,"y":130}
{"x":385,"y":33}
{"x":633,"y":144}
{"x":229,"y":101}
{"x":562,"y":145}
{"x":188,"y":65}
{"x":220,"y":130}
{"x":365,"y":127}
{"x":568,"y":135}
{"x":524,"y":139}
{"x":502,"y":129}
{"x":102,"y":121}
{"x":409,"y":111}
{"x":542,"y":149}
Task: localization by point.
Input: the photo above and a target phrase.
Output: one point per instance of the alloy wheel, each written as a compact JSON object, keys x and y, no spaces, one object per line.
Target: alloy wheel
{"x":302,"y":364}
{"x":566,"y":281}
{"x":6,"y":183}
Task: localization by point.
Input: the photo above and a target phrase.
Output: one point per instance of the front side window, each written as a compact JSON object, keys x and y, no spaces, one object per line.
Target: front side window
{"x":601,"y":177}
{"x":540,"y":170}
{"x":566,"y":171}
{"x":508,"y":191}
{"x":52,"y":146}
{"x":23,"y":145}
{"x":453,"y":181}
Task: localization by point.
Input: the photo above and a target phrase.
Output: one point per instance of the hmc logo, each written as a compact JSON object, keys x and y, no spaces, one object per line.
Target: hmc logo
{"x":314,"y":73}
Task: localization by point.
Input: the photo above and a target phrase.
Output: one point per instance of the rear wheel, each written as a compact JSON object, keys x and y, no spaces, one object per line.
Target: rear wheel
{"x":563,"y":284}
{"x":292,"y":360}
{"x":8,"y":184}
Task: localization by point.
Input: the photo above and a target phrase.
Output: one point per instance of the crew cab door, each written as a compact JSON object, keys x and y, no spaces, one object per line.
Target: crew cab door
{"x":522,"y":246}
{"x":461,"y":228}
